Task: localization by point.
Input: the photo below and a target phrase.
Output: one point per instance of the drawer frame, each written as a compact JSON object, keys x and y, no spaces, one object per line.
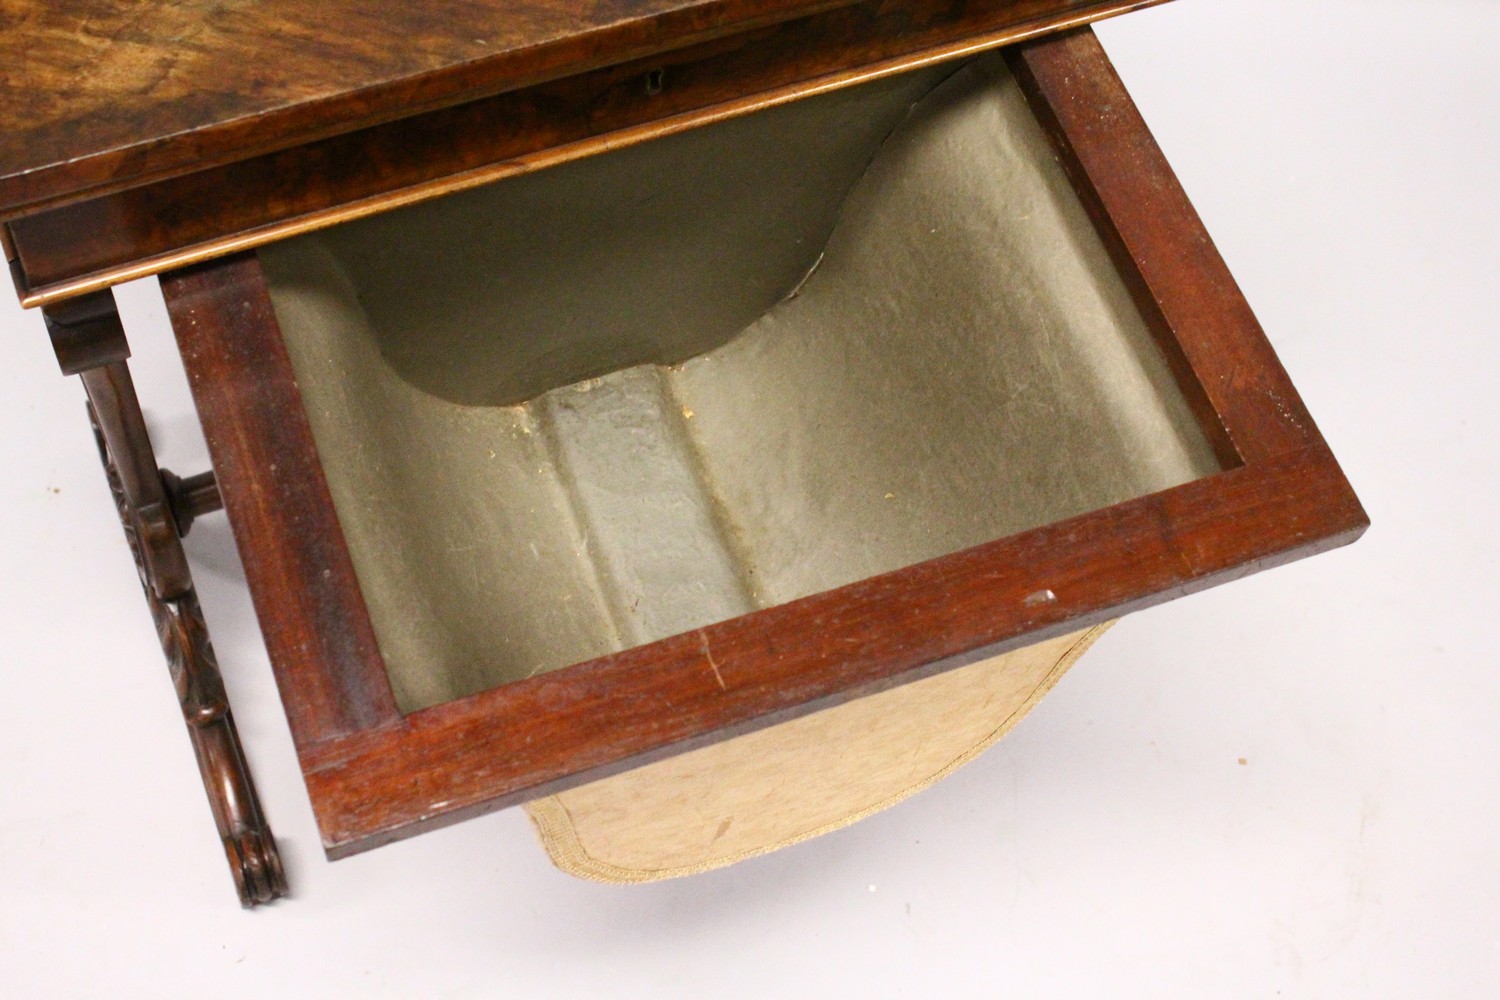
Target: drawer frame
{"x":375,"y":775}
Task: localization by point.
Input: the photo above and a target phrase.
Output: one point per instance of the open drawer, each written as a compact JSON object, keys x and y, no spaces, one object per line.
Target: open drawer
{"x":543,"y":484}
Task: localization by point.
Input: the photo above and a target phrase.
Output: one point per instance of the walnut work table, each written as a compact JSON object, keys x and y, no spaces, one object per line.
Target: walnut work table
{"x":890,"y":449}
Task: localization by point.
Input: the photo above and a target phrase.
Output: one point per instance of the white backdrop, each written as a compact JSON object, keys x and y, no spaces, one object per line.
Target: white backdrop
{"x":1345,"y":156}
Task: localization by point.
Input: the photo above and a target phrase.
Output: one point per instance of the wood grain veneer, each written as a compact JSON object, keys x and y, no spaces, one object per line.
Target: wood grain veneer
{"x":102,"y":94}
{"x":145,"y":213}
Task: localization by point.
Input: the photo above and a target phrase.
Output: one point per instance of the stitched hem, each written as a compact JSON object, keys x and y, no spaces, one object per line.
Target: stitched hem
{"x":555,"y":827}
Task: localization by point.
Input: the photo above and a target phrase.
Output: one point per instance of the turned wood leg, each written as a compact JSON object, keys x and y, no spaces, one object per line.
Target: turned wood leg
{"x":156,"y":509}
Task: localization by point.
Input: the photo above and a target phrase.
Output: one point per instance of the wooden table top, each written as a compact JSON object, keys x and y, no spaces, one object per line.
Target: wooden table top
{"x":99,"y":95}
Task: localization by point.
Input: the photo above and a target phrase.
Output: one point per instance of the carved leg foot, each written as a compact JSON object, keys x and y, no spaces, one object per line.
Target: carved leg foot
{"x":156,"y":509}
{"x":249,"y":846}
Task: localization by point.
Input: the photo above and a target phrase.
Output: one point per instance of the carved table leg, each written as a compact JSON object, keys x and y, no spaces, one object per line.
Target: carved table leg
{"x":156,"y":509}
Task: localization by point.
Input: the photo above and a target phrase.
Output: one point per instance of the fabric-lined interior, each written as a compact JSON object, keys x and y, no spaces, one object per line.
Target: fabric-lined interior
{"x":639,"y":393}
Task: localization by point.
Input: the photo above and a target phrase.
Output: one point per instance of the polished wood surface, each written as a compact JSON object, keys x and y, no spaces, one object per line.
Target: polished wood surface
{"x":84,"y":246}
{"x":100,"y":95}
{"x":331,"y":676}
{"x":1282,"y":497}
{"x":104,"y":93}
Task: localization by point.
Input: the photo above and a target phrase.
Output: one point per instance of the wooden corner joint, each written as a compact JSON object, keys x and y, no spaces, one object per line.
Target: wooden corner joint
{"x":156,"y":508}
